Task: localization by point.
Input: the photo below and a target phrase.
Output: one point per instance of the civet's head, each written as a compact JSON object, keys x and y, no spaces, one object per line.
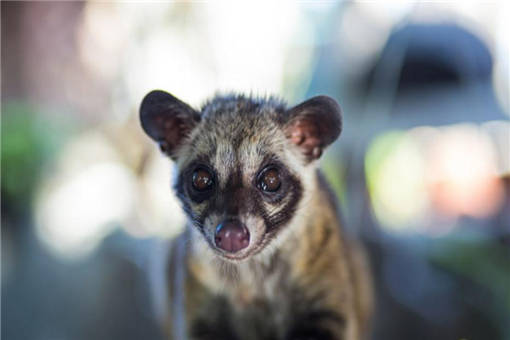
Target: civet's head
{"x":245,"y":165}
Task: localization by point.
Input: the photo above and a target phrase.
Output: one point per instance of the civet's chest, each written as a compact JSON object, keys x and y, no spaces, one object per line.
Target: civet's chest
{"x":256,"y":307}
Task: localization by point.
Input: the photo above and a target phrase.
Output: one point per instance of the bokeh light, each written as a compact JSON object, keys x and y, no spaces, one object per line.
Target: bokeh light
{"x":424,"y":178}
{"x":395,"y":172}
{"x":72,"y":220}
{"x":462,"y":170}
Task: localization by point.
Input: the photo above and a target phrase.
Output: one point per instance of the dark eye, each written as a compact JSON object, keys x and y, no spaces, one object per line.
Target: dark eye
{"x":269,"y":180}
{"x":202,"y":179}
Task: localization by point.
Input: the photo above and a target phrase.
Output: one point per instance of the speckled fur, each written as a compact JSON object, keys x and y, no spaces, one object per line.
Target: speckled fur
{"x":305,"y":280}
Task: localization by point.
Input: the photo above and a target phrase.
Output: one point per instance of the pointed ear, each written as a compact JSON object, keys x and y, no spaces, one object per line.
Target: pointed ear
{"x":167,"y":120}
{"x":313,"y":125}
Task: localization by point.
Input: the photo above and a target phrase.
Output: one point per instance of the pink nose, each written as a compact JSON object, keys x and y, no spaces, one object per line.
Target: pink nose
{"x":232,"y":236}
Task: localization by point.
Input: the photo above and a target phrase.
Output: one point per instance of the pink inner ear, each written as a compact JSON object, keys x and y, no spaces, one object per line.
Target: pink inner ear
{"x":172,"y":130}
{"x":305,"y":134}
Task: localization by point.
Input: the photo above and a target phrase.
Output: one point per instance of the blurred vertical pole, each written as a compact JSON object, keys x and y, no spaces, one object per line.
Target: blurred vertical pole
{"x":41,"y":61}
{"x":11,"y":23}
{"x":380,"y":99}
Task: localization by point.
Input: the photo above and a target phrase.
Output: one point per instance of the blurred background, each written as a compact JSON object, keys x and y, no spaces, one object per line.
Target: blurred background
{"x":421,"y":169}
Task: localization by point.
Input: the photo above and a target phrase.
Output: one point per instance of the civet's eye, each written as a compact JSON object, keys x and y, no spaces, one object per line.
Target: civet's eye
{"x":202,"y":179}
{"x":269,"y":180}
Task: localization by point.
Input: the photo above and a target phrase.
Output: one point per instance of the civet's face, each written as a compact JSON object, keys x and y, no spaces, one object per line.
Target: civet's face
{"x":243,"y":164}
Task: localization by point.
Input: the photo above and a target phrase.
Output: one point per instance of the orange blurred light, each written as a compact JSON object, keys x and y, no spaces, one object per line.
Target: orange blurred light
{"x":462,"y":177}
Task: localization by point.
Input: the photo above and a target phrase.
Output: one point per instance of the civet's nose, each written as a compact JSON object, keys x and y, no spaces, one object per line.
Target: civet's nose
{"x":232,"y":236}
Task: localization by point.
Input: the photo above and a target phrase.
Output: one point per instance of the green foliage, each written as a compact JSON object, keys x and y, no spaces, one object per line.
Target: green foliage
{"x":334,"y":172}
{"x":28,"y":141}
{"x":484,"y":262}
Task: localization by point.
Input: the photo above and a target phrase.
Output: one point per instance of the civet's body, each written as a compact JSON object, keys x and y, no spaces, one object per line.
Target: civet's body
{"x":263,"y":255}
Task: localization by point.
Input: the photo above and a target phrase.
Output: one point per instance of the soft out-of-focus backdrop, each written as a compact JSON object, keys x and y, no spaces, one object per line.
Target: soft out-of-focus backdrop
{"x":421,"y":168}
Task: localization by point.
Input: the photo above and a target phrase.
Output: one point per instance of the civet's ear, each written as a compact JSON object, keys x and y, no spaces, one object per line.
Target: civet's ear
{"x":167,"y":120}
{"x":313,"y":125}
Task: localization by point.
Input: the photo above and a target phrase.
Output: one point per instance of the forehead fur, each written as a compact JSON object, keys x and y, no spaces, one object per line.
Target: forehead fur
{"x":237,"y":130}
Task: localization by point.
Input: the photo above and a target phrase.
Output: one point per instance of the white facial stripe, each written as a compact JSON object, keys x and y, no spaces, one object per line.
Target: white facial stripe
{"x":255,"y":225}
{"x":223,"y":161}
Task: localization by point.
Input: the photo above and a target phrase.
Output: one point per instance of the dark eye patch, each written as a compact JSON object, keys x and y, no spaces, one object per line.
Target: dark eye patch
{"x":286,"y":195}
